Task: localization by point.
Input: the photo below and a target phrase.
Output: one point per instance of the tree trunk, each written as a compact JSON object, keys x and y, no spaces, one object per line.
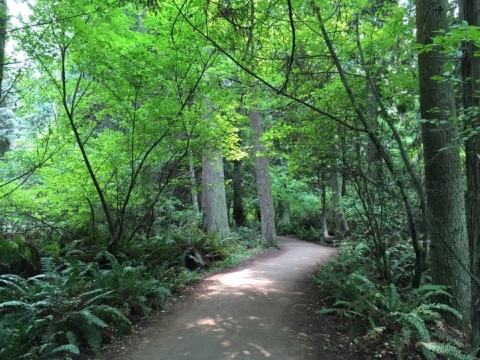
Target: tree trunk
{"x":470,"y":12}
{"x":3,"y":37}
{"x":284,"y":213}
{"x":238,"y":210}
{"x":443,"y":177}
{"x":193,"y":190}
{"x":263,"y":181}
{"x":326,"y":235}
{"x":214,"y":201}
{"x":374,"y":158}
{"x":341,"y":225}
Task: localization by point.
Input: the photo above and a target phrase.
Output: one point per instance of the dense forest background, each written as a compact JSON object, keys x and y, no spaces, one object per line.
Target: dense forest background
{"x":144,"y":141}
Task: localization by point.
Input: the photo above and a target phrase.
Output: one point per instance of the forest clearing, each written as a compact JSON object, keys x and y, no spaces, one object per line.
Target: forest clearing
{"x":147,"y":144}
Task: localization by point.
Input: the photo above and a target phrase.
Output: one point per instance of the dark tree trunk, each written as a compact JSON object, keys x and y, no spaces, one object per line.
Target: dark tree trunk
{"x":3,"y":37}
{"x":267,"y":211}
{"x":238,"y":210}
{"x":470,"y":12}
{"x":443,"y":177}
{"x":193,"y":189}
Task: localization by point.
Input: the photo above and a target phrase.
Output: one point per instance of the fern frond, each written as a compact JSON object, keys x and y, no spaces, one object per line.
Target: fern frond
{"x":48,"y":265}
{"x":430,"y":290}
{"x":449,"y":351}
{"x":69,"y":348}
{"x":444,"y":307}
{"x":14,"y":303}
{"x":393,"y":298}
{"x":416,"y":323}
{"x":72,"y":338}
{"x":16,"y":282}
{"x":94,"y":338}
{"x":101,"y":294}
{"x":112,"y":313}
{"x":92,"y":319}
{"x":329,"y":311}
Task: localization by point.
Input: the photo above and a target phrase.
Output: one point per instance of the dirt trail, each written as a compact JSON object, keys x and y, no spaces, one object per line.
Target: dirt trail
{"x":255,"y":311}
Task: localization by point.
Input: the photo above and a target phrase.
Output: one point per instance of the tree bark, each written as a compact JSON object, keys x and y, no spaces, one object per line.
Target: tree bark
{"x":3,"y":37}
{"x":341,"y":225}
{"x":470,"y":12}
{"x":214,"y":200}
{"x":238,"y":210}
{"x":267,"y":211}
{"x":443,"y":177}
{"x":326,"y":235}
{"x":193,"y":189}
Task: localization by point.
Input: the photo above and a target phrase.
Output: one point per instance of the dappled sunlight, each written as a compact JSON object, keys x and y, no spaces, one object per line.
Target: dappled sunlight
{"x":232,"y":340}
{"x":266,"y":353}
{"x":244,"y":282}
{"x":245,"y":277}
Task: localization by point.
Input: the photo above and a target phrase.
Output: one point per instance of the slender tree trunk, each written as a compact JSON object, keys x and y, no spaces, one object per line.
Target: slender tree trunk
{"x":4,"y":141}
{"x":374,"y":157}
{"x":214,"y":201}
{"x":326,"y":235}
{"x":263,"y":181}
{"x":443,"y":177}
{"x":470,"y":12}
{"x":3,"y":37}
{"x":238,"y":210}
{"x":341,"y":225}
{"x":193,"y":189}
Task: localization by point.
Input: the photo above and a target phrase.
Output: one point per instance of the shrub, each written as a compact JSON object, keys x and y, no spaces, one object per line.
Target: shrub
{"x":55,"y":312}
{"x":405,"y":318}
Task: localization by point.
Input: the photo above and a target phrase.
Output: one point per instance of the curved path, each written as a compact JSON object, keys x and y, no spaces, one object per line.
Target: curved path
{"x":255,"y":311}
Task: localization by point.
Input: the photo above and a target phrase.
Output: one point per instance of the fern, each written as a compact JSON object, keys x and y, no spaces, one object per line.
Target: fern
{"x":383,"y":309}
{"x":68,"y":348}
{"x":393,"y":303}
{"x":415,"y":322}
{"x":449,"y":351}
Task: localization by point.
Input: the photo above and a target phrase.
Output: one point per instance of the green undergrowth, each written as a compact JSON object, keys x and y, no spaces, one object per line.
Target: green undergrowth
{"x":389,"y":318}
{"x":82,"y":296}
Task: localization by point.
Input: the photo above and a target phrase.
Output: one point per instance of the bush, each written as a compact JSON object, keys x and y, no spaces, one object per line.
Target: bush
{"x":55,"y":312}
{"x":389,"y":313}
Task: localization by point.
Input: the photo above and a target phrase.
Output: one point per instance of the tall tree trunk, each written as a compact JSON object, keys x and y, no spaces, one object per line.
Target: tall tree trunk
{"x":3,"y":37}
{"x":214,"y":200}
{"x":267,"y":211}
{"x":4,"y":141}
{"x":443,"y":177}
{"x":193,"y":189}
{"x":341,"y":225}
{"x":374,"y":158}
{"x":238,"y":210}
{"x":470,"y":12}
{"x":326,"y":235}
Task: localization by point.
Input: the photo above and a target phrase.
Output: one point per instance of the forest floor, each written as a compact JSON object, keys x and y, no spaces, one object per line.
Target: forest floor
{"x":263,"y":309}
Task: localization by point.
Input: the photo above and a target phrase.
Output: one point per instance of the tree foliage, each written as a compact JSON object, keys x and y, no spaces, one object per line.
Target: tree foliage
{"x":107,"y":108}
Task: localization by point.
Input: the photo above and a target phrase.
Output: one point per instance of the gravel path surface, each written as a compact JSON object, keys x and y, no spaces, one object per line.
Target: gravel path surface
{"x":255,"y":311}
